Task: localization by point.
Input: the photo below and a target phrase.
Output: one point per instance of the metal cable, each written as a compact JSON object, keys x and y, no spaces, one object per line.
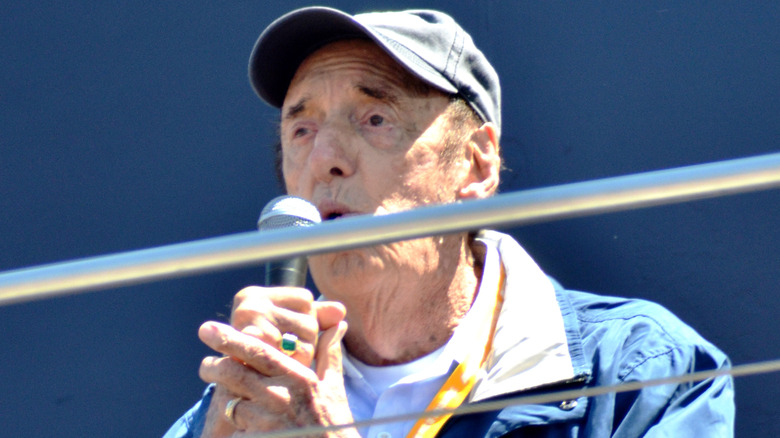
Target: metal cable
{"x":518,"y":208}
{"x":754,"y":368}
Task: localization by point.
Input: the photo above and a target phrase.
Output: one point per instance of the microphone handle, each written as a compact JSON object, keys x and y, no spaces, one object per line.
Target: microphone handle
{"x":290,"y":272}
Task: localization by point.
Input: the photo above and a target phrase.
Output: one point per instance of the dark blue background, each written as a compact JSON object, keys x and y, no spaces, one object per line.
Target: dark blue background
{"x":126,"y":125}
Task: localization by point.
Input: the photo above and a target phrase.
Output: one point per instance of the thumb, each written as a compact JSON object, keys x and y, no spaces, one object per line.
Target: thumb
{"x":329,"y":371}
{"x":329,"y":313}
{"x":329,"y":353}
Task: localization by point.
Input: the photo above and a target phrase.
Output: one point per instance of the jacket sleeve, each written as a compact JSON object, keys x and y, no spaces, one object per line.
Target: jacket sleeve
{"x":629,"y":340}
{"x":692,"y":409}
{"x":190,"y":425}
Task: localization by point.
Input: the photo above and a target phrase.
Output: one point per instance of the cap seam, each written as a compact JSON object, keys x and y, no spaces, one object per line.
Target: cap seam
{"x":457,"y":43}
{"x":416,"y":59}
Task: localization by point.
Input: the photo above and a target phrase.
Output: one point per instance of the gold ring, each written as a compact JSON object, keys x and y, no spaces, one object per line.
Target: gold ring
{"x":230,"y":410}
{"x":289,"y":343}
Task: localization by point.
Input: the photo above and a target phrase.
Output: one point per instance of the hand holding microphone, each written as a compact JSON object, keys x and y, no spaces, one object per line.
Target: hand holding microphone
{"x":252,"y":378}
{"x":283,"y":313}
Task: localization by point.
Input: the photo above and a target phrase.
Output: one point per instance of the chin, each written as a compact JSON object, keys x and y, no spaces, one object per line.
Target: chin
{"x":346,"y":270}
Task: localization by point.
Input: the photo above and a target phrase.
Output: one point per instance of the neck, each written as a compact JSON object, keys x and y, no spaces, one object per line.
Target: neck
{"x":415,"y":312}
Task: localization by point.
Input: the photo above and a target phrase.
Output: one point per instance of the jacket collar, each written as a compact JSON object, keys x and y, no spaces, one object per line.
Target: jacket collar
{"x":537,"y":340}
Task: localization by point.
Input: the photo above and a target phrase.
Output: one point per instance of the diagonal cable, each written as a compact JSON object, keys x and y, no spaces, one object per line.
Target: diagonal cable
{"x":509,"y":209}
{"x":750,"y":369}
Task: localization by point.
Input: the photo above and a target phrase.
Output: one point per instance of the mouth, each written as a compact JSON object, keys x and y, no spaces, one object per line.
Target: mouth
{"x":331,"y":216}
{"x":332,"y":210}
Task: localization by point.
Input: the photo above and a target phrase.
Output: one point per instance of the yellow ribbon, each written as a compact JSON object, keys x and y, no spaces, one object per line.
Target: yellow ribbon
{"x":459,"y":384}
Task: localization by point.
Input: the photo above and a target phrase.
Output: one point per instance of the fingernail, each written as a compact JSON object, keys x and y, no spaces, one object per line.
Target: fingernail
{"x":342,"y":330}
{"x":208,"y":330}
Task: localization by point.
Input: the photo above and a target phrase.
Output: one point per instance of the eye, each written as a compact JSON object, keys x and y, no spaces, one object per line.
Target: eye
{"x":376,"y":120}
{"x":300,"y":132}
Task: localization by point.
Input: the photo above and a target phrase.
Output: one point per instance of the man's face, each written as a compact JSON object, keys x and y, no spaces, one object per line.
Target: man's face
{"x":357,"y":139}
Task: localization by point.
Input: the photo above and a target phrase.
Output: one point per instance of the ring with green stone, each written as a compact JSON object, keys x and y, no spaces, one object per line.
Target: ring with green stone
{"x":289,"y":343}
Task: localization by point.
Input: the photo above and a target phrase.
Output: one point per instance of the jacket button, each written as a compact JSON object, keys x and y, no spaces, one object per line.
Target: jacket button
{"x":568,"y":405}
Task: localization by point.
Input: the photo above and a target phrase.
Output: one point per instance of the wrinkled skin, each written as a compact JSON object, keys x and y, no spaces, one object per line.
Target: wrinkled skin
{"x":356,"y":139}
{"x":279,"y":392}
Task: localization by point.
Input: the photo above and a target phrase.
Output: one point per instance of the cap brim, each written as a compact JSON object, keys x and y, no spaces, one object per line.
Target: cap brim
{"x":283,"y":46}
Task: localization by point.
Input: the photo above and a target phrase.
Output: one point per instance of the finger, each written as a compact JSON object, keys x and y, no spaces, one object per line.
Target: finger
{"x":251,"y":416}
{"x":329,"y":313}
{"x":264,"y":358}
{"x":241,"y":381}
{"x":242,"y":418}
{"x":329,"y":354}
{"x":231,"y":375}
{"x":329,"y":371}
{"x":297,"y":299}
{"x":292,"y":298}
{"x":305,"y":329}
{"x":261,"y":312}
{"x":263,"y":403}
{"x":304,"y":326}
{"x":263,"y":329}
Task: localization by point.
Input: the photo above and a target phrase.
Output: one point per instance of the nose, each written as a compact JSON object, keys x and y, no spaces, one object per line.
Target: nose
{"x":332,"y":154}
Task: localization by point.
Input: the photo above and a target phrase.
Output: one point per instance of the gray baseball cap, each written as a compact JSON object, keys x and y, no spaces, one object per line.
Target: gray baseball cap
{"x":429,"y":44}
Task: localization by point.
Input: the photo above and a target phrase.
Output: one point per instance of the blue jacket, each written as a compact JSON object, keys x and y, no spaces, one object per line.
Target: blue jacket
{"x":609,"y":341}
{"x":614,"y":340}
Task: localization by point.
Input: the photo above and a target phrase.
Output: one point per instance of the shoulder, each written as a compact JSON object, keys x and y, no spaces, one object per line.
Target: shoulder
{"x":631,"y":340}
{"x":593,"y":310}
{"x":641,"y":338}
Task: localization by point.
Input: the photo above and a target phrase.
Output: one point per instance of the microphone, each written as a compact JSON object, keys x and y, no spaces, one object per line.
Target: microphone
{"x":285,"y":212}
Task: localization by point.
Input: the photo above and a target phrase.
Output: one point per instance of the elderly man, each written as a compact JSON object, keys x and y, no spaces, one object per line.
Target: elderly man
{"x":382,"y":113}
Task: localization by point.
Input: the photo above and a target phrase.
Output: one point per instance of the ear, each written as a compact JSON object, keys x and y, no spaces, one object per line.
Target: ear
{"x":485,"y":164}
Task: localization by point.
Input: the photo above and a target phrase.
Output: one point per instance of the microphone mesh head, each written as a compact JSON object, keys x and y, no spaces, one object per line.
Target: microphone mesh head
{"x":288,"y":211}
